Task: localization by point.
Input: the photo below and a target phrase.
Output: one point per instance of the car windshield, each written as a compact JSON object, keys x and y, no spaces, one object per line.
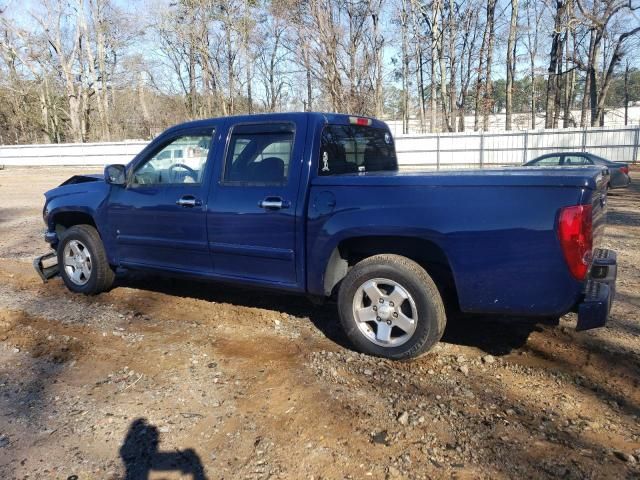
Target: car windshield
{"x":356,"y":148}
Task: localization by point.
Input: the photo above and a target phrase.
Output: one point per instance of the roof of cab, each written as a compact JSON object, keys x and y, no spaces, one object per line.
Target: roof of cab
{"x":317,"y":117}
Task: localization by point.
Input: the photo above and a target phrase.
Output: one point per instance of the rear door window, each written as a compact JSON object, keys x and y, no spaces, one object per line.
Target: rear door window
{"x":259,"y":154}
{"x":356,"y":148}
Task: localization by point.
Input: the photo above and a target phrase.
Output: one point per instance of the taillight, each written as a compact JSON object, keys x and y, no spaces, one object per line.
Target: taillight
{"x":625,"y":170}
{"x":575,"y":231}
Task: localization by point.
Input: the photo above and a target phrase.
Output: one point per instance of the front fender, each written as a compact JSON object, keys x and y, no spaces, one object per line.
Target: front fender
{"x":84,"y":199}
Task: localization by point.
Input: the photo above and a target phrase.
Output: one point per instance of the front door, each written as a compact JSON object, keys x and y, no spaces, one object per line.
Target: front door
{"x":159,"y":217}
{"x":252,"y":210}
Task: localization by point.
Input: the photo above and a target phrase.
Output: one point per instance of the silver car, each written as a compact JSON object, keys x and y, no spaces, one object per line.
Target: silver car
{"x":619,"y":171}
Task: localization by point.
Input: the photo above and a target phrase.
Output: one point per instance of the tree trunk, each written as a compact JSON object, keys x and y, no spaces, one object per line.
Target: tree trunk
{"x":405,"y":69}
{"x":307,"y":67}
{"x":481,"y":67}
{"x":488,"y":86}
{"x":593,"y":84}
{"x":626,"y":94}
{"x":616,"y":56}
{"x":555,"y":54}
{"x":146,"y":118}
{"x":421,"y":102}
{"x":511,"y":63}
{"x":559,"y":79}
{"x":422,"y":109}
{"x":587,"y":82}
{"x":453,"y":66}
{"x":532,"y":35}
{"x":569,"y":85}
{"x":378,"y":50}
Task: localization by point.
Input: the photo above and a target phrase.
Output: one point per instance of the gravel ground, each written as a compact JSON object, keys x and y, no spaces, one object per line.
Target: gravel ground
{"x":190,"y":380}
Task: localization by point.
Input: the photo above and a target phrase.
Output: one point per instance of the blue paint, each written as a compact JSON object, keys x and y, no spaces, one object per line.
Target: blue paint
{"x":497,"y":228}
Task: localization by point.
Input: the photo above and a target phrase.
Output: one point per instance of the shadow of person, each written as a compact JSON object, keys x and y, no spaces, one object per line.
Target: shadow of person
{"x":140,"y":455}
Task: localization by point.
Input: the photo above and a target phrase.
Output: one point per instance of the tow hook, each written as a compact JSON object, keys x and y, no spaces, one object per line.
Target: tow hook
{"x":46,"y":266}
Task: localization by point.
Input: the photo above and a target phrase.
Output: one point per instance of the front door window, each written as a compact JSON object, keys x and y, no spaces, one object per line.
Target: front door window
{"x":181,"y":161}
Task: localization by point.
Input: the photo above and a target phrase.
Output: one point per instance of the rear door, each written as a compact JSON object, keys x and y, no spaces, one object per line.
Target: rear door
{"x":251,"y":219}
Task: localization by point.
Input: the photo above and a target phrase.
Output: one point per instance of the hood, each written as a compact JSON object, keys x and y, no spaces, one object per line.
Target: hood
{"x":93,"y":177}
{"x":78,"y":184}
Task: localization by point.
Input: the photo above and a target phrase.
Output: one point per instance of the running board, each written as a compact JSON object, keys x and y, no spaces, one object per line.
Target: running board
{"x":46,"y":266}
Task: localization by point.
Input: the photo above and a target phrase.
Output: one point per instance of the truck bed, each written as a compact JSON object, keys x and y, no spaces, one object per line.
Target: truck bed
{"x":496,"y":228}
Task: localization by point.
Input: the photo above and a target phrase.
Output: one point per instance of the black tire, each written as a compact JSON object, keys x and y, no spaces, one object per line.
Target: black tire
{"x":101,"y":276}
{"x":431,"y":317}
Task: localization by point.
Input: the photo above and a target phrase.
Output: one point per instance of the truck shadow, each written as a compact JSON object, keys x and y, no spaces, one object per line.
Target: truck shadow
{"x":323,"y":317}
{"x":493,"y":335}
{"x":140,"y":455}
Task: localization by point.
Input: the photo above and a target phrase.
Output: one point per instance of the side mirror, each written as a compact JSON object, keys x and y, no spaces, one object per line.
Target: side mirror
{"x":115,"y":174}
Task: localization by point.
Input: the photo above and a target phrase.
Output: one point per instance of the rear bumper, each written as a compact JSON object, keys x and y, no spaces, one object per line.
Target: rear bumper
{"x":599,"y":292}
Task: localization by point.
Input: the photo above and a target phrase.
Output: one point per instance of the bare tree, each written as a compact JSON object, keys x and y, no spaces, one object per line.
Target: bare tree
{"x":599,"y":19}
{"x":469,"y":37}
{"x":534,"y":16}
{"x":270,"y":63}
{"x":73,"y":68}
{"x":511,"y":63}
{"x":479,"y":104}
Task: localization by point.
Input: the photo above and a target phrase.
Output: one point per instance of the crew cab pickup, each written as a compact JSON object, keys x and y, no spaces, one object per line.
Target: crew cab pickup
{"x":315,"y":204}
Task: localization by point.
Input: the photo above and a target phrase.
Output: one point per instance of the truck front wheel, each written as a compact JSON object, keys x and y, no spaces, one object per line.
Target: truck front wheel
{"x":82,"y":261}
{"x":390,"y":307}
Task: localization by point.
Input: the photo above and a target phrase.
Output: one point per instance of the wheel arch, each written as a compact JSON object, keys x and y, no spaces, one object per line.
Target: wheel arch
{"x":427,"y":253}
{"x":70,"y":218}
{"x":62,"y":219}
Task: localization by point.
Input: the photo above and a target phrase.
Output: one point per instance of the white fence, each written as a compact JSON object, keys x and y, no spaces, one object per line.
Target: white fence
{"x":491,"y":149}
{"x":415,"y":152}
{"x":70,"y":153}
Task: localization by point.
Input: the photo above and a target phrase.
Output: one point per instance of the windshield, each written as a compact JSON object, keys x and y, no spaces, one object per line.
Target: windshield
{"x":356,"y":148}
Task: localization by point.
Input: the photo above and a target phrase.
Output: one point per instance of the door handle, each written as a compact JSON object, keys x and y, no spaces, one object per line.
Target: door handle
{"x":274,"y":203}
{"x":188,"y":201}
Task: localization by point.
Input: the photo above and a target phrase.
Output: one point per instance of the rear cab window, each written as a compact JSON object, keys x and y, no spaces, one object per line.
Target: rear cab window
{"x":356,"y":148}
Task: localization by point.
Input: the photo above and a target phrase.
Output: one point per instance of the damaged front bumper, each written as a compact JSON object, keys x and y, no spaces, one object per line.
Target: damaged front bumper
{"x":46,"y":266}
{"x":599,"y":291}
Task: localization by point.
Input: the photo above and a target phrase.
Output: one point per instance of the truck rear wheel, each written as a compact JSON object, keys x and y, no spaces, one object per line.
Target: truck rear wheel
{"x":390,"y":307}
{"x":82,"y":261}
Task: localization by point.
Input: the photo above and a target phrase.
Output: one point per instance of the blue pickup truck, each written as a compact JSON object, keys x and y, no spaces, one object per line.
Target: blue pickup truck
{"x":314,"y":204}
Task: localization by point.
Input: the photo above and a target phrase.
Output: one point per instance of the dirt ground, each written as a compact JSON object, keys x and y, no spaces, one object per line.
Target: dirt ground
{"x":188,"y":380}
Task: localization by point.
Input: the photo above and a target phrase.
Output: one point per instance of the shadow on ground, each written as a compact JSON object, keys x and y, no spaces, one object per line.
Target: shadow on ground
{"x":494,"y":335}
{"x":141,"y":455}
